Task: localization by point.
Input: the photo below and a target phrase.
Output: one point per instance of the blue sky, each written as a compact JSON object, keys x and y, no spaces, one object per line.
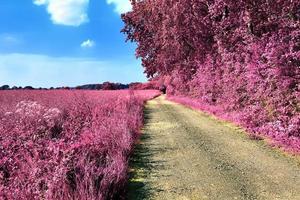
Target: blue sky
{"x":47,"y":43}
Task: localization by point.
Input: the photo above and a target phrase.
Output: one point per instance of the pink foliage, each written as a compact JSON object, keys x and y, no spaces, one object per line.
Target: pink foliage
{"x":240,"y":59}
{"x":150,"y":85}
{"x":67,"y":144}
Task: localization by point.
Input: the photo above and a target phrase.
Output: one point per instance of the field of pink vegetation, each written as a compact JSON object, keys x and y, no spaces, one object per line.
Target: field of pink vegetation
{"x":67,"y":144}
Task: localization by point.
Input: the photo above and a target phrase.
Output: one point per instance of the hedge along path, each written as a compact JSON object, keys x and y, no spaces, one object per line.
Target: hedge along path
{"x":186,"y":154}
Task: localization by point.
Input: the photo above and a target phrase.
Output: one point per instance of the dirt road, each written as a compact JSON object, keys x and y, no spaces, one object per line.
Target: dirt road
{"x":185,"y":154}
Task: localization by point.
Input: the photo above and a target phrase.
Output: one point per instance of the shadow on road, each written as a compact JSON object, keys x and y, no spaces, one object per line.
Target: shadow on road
{"x":142,"y":165}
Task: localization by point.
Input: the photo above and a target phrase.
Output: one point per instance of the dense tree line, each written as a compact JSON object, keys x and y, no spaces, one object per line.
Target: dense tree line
{"x":103,"y":86}
{"x":242,"y":57}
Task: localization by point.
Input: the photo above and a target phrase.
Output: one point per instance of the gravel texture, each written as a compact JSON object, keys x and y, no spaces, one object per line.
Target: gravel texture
{"x":186,"y":154}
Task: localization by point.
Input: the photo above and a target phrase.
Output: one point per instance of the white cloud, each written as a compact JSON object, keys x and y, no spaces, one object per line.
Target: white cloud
{"x":66,"y":12}
{"x":88,"y":44}
{"x":7,"y":40}
{"x":121,"y":6}
{"x":39,"y":2}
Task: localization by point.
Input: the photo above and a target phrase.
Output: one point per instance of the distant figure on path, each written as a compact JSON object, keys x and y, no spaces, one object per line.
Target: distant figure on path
{"x":163,"y":89}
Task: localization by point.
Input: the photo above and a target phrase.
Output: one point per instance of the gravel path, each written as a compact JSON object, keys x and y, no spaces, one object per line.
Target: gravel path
{"x":185,"y":154}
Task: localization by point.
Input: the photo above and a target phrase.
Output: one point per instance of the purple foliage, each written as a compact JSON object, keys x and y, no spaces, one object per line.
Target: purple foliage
{"x":240,"y":59}
{"x":67,"y":144}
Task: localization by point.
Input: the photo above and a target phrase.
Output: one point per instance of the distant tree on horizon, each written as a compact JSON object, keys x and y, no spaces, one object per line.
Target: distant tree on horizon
{"x":5,"y":87}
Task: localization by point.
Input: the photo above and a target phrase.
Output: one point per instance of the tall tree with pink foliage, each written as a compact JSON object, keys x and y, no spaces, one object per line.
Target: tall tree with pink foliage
{"x":237,"y":59}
